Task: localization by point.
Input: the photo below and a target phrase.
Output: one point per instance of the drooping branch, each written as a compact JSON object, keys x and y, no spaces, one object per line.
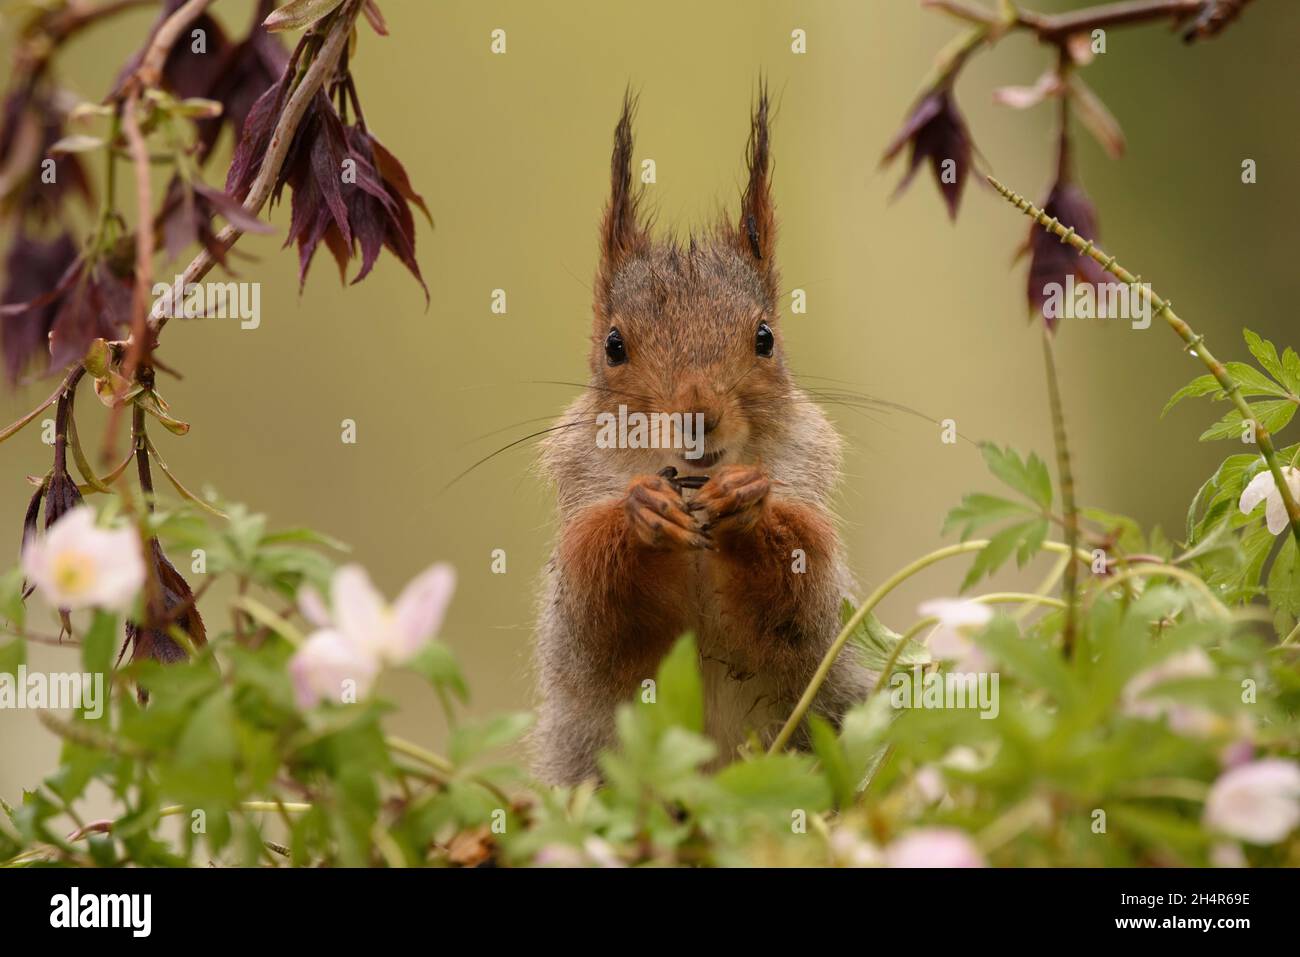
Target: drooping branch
{"x":1162,"y":308}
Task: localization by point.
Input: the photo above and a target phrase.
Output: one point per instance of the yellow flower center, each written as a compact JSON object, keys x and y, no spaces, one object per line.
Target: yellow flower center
{"x":73,"y":572}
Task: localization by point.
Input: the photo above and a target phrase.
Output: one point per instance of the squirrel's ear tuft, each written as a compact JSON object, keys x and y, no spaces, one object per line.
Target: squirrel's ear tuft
{"x":622,"y":232}
{"x":756,"y":233}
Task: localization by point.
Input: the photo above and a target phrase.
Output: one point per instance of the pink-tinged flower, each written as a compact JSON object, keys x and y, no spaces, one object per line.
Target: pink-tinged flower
{"x":1228,"y":854}
{"x":936,"y":132}
{"x":1257,"y":802}
{"x":393,"y":634}
{"x":77,"y":565}
{"x":934,"y":847}
{"x":359,"y":631}
{"x":328,"y":667}
{"x":959,"y":618}
{"x":1185,"y":719}
{"x":1262,"y":488}
{"x":1236,"y":753}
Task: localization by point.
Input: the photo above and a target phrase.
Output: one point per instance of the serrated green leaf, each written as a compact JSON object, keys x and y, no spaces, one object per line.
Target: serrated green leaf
{"x":1000,"y":547}
{"x":1290,"y":376}
{"x":1264,"y":352}
{"x":978,"y":510}
{"x":1252,"y":381}
{"x":1273,"y":414}
{"x":1201,"y":385}
{"x":1029,"y":476}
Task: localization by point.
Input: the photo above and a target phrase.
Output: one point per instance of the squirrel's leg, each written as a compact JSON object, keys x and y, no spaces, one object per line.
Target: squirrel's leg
{"x":616,"y":603}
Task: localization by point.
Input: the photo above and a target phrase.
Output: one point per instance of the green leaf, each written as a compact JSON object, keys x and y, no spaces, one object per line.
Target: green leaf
{"x":1273,"y":414}
{"x":99,"y":644}
{"x":978,"y":510}
{"x":1284,"y":579}
{"x":1126,"y":532}
{"x":474,"y":738}
{"x":1034,"y":661}
{"x":679,"y":692}
{"x":437,"y":665}
{"x":1029,"y":477}
{"x":1264,"y":352}
{"x":834,"y":763}
{"x":1290,"y":376}
{"x":1252,"y":381}
{"x":1201,"y":385}
{"x":779,"y":783}
{"x":876,"y":642}
{"x":1016,"y":540}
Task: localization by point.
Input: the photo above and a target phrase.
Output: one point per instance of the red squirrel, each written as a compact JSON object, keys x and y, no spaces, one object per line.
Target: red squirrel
{"x":750,"y":561}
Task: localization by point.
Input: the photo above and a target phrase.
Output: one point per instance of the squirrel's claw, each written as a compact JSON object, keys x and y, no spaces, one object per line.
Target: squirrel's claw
{"x":733,"y":498}
{"x":659,"y":517}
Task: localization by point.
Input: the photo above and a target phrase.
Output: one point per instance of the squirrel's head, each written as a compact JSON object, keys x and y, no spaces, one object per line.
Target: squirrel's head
{"x":693,"y":328}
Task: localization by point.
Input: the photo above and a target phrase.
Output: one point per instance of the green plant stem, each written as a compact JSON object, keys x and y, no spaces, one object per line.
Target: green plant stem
{"x":267,"y":618}
{"x":992,"y":598}
{"x":1170,"y":571}
{"x":1046,"y":585}
{"x":1293,"y":636}
{"x":1070,"y":583}
{"x":423,"y":756}
{"x":1195,"y":343}
{"x":828,"y":660}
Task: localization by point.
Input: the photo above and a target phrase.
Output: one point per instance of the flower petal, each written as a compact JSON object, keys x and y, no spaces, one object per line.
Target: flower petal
{"x":420,"y":609}
{"x":1254,"y":493}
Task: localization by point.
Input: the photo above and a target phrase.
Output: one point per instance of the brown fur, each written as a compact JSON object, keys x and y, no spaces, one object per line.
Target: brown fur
{"x":637,"y":562}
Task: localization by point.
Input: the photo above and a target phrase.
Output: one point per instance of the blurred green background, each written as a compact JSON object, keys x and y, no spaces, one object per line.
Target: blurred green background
{"x":512,"y":154}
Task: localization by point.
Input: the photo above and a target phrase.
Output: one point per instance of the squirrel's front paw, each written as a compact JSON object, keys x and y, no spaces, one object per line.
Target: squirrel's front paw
{"x":733,"y":499}
{"x":659,"y":517}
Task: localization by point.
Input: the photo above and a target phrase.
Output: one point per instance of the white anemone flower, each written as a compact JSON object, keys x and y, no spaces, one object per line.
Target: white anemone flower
{"x":78,"y":565}
{"x":1262,"y":488}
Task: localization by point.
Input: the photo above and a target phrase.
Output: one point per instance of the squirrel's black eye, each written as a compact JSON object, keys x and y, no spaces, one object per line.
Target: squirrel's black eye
{"x":764,"y":341}
{"x":615,"y":351}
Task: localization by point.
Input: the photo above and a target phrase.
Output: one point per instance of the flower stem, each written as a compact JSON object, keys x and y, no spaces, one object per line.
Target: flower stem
{"x":828,"y":660}
{"x":1195,"y":343}
{"x":424,"y":756}
{"x":1070,"y":583}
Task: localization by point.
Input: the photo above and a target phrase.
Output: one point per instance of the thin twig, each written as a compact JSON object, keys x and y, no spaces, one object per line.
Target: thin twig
{"x":1195,"y":343}
{"x":149,"y":72}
